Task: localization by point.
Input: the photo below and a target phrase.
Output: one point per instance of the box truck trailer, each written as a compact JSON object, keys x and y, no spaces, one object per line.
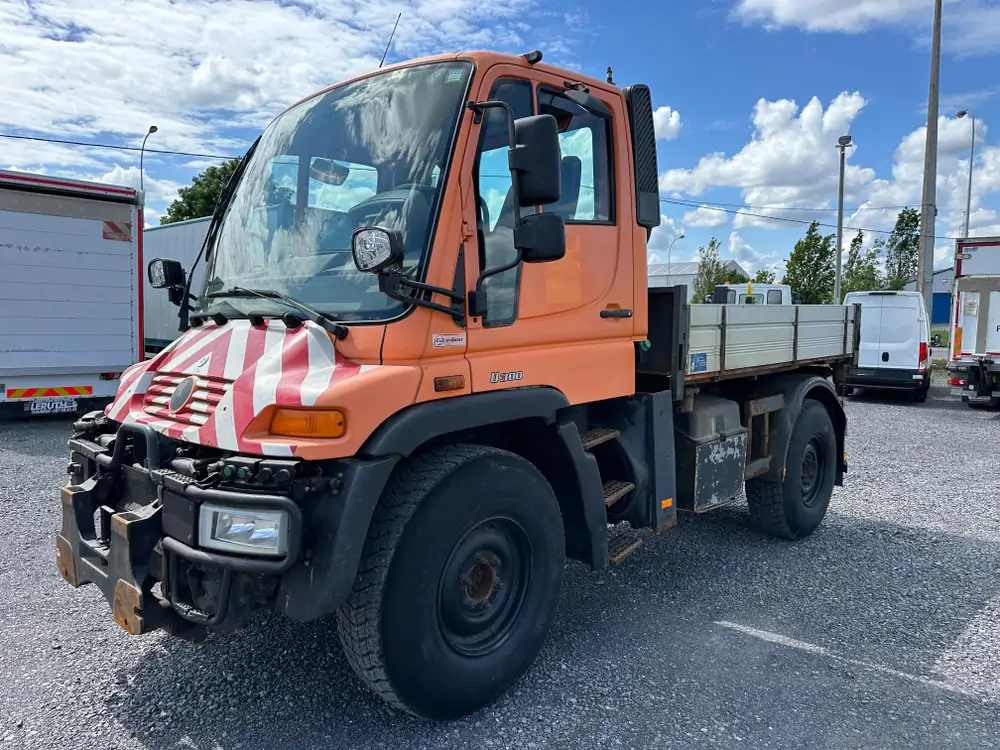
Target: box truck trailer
{"x":181,"y":241}
{"x":70,"y":292}
{"x":974,"y":365}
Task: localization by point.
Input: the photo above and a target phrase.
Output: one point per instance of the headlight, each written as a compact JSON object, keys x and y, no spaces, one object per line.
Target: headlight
{"x":244,"y":531}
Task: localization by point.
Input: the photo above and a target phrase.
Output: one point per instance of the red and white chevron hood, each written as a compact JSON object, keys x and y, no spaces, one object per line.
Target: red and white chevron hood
{"x":239,"y":370}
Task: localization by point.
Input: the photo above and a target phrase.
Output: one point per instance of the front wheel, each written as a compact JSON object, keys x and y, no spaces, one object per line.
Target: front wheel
{"x":458,"y":583}
{"x":794,"y":508}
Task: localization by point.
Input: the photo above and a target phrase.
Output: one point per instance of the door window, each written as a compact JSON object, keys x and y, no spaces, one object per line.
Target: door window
{"x":585,"y":144}
{"x":774,"y":297}
{"x":495,"y":204}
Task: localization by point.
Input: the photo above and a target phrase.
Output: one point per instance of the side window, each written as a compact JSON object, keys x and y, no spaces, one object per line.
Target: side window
{"x":774,"y":296}
{"x":585,"y":143}
{"x":495,"y":209}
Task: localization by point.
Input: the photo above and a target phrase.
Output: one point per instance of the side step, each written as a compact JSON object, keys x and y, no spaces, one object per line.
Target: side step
{"x":622,"y":542}
{"x":594,"y":437}
{"x":615,"y":490}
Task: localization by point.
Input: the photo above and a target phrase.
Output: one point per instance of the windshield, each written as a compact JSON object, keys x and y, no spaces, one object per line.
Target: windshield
{"x":368,"y":153}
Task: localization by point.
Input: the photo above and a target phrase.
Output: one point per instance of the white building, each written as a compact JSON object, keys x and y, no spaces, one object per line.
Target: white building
{"x":674,"y":274}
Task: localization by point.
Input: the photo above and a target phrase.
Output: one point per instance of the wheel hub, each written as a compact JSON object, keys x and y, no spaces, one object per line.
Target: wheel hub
{"x":811,"y":473}
{"x":483,"y":587}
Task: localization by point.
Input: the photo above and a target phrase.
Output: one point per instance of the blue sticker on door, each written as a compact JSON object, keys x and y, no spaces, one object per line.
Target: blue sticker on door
{"x":699,"y":362}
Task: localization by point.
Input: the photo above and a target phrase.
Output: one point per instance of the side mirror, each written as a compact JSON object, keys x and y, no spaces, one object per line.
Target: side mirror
{"x":164,"y":273}
{"x":375,"y":248}
{"x":541,"y":238}
{"x":536,"y":160}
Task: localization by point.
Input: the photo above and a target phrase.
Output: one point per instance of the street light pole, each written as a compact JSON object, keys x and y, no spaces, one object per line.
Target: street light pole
{"x":670,"y":253}
{"x":142,"y":153}
{"x":928,"y":209}
{"x":842,"y":143}
{"x":972,"y":157}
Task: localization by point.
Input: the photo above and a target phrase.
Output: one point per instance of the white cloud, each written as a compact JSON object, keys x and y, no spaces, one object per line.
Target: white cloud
{"x":790,"y":167}
{"x":789,"y":162}
{"x":829,"y":15}
{"x":200,"y":71}
{"x":749,"y":258}
{"x":666,"y":123}
{"x":704,"y":216}
{"x":971,"y":27}
{"x":662,"y":236}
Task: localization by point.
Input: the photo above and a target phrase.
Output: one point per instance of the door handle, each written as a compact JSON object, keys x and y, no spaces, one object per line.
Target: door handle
{"x":615,"y":313}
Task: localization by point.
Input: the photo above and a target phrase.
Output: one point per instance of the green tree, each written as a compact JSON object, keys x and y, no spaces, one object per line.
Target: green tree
{"x":811,"y":268}
{"x":199,"y":199}
{"x":734,"y":277}
{"x":902,"y":250}
{"x":763,"y":276}
{"x":861,"y":272}
{"x":711,"y":271}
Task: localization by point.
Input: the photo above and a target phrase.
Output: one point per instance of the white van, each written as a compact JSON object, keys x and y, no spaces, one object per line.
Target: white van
{"x":894,"y":352}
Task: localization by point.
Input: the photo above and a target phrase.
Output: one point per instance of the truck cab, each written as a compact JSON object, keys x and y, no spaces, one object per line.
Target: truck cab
{"x":424,"y":369}
{"x":753,"y":294}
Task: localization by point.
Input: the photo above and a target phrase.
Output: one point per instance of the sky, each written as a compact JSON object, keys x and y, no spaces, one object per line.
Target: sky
{"x":750,"y":95}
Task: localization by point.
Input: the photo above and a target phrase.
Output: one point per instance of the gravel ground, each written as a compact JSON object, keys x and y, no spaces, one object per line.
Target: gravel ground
{"x":880,"y":631}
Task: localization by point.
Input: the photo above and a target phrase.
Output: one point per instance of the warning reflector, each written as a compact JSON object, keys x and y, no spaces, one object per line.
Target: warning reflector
{"x":118,"y":230}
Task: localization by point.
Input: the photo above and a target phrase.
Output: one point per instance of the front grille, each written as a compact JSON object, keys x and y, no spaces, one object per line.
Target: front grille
{"x":207,"y":394}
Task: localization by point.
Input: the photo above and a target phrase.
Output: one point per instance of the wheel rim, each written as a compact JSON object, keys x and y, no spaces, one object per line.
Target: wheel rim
{"x":813,"y":472}
{"x":484,"y":586}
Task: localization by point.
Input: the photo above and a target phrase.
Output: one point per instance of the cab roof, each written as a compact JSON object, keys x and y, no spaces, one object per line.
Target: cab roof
{"x":483,"y":59}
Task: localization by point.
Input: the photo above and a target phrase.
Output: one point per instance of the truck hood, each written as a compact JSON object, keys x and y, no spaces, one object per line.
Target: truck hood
{"x":210,"y":383}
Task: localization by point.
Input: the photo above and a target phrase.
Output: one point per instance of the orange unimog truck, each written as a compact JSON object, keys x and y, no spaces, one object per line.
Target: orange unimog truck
{"x":425,"y":369}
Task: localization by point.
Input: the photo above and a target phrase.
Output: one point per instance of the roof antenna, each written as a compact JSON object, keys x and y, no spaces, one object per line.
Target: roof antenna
{"x":390,"y":39}
{"x":609,"y":75}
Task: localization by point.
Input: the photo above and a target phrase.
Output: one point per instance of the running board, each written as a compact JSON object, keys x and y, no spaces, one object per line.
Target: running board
{"x":615,"y":490}
{"x":622,"y":543}
{"x":598,"y":435}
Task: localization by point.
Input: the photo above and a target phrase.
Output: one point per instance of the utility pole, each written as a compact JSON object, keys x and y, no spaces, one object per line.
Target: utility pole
{"x":842,"y":143}
{"x":972,"y":161}
{"x":925,"y":275}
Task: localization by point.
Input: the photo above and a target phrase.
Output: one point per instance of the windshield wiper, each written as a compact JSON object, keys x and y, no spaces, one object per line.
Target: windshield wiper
{"x":309,"y":313}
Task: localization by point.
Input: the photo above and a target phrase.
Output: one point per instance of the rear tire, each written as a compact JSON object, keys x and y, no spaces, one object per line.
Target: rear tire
{"x":794,"y":508}
{"x":993,"y":403}
{"x":920,"y":395}
{"x":459,"y":581}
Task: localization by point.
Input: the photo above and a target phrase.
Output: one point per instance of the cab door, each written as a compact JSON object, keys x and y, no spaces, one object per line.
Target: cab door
{"x":566,"y":323}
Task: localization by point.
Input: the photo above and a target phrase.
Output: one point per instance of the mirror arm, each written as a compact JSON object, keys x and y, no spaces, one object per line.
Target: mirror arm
{"x":479,"y":108}
{"x":477,"y":297}
{"x":391,"y":283}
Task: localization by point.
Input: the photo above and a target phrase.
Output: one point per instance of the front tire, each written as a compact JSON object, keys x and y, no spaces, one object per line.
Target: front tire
{"x":794,"y":508}
{"x":459,"y":581}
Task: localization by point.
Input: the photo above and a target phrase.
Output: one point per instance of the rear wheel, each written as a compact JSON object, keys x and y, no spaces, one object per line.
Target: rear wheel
{"x":459,"y":581}
{"x":794,"y":508}
{"x":920,"y":395}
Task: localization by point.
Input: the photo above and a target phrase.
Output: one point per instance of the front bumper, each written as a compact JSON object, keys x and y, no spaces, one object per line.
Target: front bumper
{"x":887,"y":379}
{"x":132,"y":524}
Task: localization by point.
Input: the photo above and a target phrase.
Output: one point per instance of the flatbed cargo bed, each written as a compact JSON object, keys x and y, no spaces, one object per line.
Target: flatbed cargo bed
{"x":711,"y":342}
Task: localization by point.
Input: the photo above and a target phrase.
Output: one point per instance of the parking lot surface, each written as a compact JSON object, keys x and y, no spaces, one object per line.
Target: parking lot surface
{"x":880,"y":631}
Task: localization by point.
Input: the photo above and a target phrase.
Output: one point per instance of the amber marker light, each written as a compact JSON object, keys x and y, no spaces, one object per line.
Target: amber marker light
{"x":449,"y":383}
{"x":309,"y":423}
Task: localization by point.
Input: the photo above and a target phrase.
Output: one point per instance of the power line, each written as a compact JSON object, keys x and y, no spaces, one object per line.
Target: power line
{"x":65,"y":142}
{"x":702,"y":204}
{"x":788,"y":218}
{"x":709,"y":204}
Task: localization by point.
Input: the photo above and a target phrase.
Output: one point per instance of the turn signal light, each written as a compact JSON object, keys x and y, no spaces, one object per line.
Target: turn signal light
{"x":449,"y":383}
{"x":309,"y":423}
